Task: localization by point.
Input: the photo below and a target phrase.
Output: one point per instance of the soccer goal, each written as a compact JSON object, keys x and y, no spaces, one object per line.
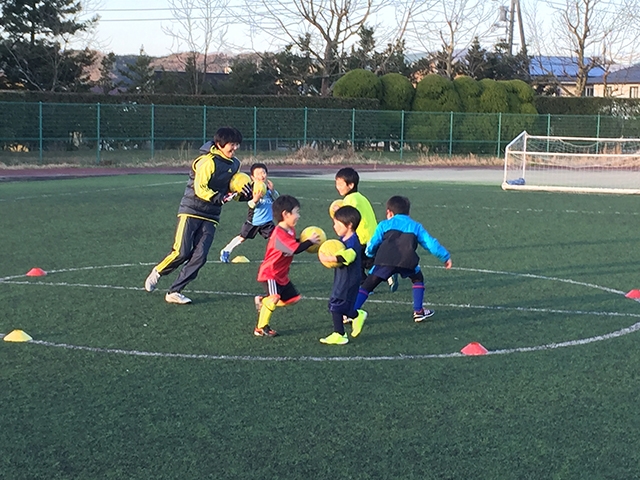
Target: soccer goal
{"x":572,"y":164}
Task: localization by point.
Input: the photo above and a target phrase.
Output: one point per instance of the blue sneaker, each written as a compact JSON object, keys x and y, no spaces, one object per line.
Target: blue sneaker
{"x":224,"y":256}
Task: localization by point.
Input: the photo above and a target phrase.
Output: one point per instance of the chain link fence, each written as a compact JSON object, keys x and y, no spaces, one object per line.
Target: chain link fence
{"x":51,"y":133}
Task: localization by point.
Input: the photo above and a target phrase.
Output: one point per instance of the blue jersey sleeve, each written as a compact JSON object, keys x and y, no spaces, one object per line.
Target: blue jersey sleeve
{"x":431,"y":244}
{"x":376,"y":240}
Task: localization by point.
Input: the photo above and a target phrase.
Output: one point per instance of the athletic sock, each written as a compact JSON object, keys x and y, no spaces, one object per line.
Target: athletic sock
{"x":268,"y":306}
{"x":362,"y":297}
{"x":233,"y":243}
{"x":338,"y":326}
{"x":418,"y":296}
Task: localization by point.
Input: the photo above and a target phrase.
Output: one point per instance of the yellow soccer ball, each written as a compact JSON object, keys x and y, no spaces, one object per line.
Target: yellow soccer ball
{"x":335,"y":205}
{"x":238,"y":181}
{"x":260,"y":188}
{"x":307,"y":232}
{"x":331,"y":247}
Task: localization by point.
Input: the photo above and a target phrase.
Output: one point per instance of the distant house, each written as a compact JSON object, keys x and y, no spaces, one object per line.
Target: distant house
{"x":623,"y":83}
{"x":558,"y":75}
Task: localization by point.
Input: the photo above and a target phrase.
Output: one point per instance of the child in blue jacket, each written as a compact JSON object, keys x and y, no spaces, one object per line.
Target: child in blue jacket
{"x":393,"y":247}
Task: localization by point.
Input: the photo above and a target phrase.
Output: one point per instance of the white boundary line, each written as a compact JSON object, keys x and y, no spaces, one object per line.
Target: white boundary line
{"x":549,"y":346}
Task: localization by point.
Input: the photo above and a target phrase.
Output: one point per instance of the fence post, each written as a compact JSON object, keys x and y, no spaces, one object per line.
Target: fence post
{"x":548,"y":124}
{"x":598,"y":134}
{"x":153,"y":127}
{"x":450,"y":133}
{"x":255,"y":131}
{"x":40,"y":141}
{"x":401,"y":134}
{"x":204,"y":124}
{"x":98,"y":133}
{"x":306,"y":118}
{"x":499,"y":133}
{"x":353,"y":129}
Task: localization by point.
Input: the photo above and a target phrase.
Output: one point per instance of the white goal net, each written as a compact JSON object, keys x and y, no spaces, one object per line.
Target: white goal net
{"x":572,"y":164}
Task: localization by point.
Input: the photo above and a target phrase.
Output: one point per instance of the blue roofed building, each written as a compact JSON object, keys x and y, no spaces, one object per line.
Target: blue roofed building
{"x":623,"y":83}
{"x":558,"y":74}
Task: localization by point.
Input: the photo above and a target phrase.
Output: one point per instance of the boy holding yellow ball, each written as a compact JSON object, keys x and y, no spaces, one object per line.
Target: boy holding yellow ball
{"x":347,"y":265}
{"x":260,"y":216}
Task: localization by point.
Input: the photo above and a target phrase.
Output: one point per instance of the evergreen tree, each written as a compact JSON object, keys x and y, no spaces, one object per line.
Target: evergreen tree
{"x":140,"y":76}
{"x":33,"y":53}
{"x":475,"y":63}
{"x":504,"y":66}
{"x":106,"y":81}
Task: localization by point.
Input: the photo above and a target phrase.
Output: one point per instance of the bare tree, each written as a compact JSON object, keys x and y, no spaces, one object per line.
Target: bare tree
{"x":450,"y":25}
{"x":199,"y":29}
{"x":324,"y":28}
{"x":592,"y":33}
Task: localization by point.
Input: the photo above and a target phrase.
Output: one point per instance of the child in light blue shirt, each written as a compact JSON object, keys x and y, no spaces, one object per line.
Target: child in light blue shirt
{"x":260,"y":216}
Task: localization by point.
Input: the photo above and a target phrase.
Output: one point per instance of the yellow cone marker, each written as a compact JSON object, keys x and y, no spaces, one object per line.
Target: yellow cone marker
{"x":17,"y":336}
{"x":240,"y":259}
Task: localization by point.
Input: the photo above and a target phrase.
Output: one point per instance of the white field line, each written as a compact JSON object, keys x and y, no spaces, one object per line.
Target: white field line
{"x":454,"y":207}
{"x":91,"y":192}
{"x":324,"y":299}
{"x":501,"y":209}
{"x":549,"y":346}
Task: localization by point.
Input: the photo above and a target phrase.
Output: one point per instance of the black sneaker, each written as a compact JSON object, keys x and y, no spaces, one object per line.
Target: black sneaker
{"x":266,"y":331}
{"x":422,"y":315}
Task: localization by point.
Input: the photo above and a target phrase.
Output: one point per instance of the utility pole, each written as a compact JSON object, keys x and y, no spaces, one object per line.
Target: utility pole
{"x":515,"y":7}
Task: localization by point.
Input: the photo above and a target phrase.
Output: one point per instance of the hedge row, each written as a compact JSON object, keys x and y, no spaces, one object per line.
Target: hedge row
{"x":588,"y":106}
{"x":240,"y":101}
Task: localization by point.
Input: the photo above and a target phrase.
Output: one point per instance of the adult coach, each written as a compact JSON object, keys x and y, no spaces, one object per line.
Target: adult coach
{"x":199,"y":212}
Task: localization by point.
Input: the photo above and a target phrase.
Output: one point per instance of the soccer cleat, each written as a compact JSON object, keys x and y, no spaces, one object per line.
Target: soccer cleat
{"x":358,"y":323}
{"x":335,"y":339}
{"x":176,"y":297}
{"x":346,"y":319}
{"x":265,"y":331}
{"x":393,"y":282}
{"x":422,"y":315}
{"x":152,"y":281}
{"x":257,"y":301}
{"x":224,"y":256}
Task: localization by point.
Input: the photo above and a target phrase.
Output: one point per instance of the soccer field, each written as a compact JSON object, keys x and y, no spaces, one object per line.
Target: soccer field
{"x":119,"y":384}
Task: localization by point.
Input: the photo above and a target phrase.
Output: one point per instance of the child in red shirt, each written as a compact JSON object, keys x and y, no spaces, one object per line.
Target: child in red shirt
{"x":274,"y":270}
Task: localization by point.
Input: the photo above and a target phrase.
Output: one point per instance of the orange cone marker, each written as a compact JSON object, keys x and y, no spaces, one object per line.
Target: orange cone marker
{"x":635,"y":294}
{"x":474,"y":348}
{"x":36,"y":272}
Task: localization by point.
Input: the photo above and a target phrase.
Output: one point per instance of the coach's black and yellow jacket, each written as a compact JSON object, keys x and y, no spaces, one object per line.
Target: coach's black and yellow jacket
{"x":208,"y":184}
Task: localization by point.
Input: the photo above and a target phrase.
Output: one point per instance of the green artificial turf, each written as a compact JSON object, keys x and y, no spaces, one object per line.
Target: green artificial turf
{"x":119,"y":384}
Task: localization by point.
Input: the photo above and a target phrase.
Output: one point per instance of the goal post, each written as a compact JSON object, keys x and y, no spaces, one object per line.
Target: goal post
{"x":572,"y":164}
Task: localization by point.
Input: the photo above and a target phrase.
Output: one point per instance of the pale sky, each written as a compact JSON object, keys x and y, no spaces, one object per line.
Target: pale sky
{"x":126,"y":25}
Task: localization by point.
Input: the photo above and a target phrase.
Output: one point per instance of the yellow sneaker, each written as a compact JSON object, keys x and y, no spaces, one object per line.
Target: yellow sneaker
{"x":358,"y":323}
{"x":335,"y":339}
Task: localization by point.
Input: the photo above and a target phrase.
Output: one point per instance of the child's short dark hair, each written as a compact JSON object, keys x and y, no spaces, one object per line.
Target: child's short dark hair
{"x":284,"y":203}
{"x":259,"y":165}
{"x":348,"y":215}
{"x":349,"y":175}
{"x":399,"y":205}
{"x":226,"y":135}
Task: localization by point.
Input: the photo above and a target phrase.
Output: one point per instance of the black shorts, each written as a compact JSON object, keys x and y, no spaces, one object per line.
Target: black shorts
{"x":286,"y":292}
{"x":250,"y":231}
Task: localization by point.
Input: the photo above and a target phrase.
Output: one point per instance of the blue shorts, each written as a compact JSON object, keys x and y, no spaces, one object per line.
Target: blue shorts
{"x":384,"y":272}
{"x":338,"y":305}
